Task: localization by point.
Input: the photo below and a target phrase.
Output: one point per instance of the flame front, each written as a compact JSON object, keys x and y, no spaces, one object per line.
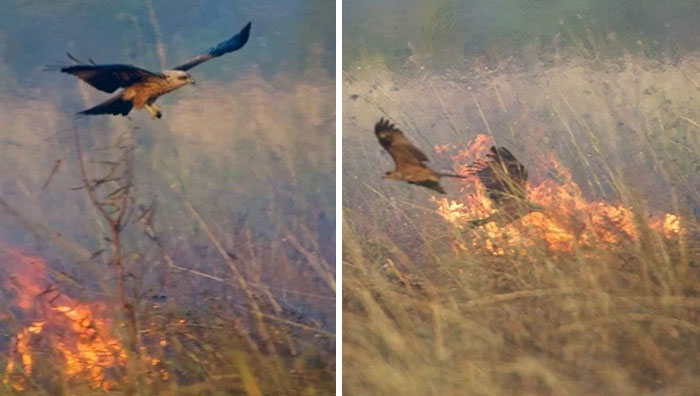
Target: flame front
{"x":84,"y":343}
{"x":569,"y":221}
{"x":77,"y":332}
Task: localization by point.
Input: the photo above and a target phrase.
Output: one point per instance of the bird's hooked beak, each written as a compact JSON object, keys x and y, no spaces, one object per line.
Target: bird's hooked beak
{"x":191,"y":80}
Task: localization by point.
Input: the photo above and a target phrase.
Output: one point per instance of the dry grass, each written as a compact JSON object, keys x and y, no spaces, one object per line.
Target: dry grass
{"x":423,"y":318}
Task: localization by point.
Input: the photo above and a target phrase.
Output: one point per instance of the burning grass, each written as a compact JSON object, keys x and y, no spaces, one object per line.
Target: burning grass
{"x":595,"y":295}
{"x":80,"y":336}
{"x":569,"y":221}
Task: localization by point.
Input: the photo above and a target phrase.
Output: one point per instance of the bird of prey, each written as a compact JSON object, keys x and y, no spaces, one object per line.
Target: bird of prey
{"x":408,"y":159}
{"x":504,"y":178}
{"x":141,"y":87}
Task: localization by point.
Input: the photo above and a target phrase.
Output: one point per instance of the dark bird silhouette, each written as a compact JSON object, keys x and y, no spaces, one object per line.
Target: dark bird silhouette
{"x":505,"y":179}
{"x":409,"y":160}
{"x":141,"y":87}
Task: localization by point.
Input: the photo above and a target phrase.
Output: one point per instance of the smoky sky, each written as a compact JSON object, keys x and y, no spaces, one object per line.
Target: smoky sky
{"x":285,"y":33}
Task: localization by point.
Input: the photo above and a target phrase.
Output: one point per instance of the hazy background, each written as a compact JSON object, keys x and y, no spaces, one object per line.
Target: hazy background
{"x":447,"y":31}
{"x":248,"y":151}
{"x":448,"y":70}
{"x":609,"y":90}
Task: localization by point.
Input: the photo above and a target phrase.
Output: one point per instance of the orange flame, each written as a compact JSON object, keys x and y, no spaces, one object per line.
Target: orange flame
{"x":77,"y":331}
{"x":569,"y":220}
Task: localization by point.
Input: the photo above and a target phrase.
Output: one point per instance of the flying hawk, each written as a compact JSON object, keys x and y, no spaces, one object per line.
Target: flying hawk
{"x":408,"y":159}
{"x":504,"y":178}
{"x":141,"y":87}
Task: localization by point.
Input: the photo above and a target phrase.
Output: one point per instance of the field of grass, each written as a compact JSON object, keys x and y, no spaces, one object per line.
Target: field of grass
{"x":433,"y":308}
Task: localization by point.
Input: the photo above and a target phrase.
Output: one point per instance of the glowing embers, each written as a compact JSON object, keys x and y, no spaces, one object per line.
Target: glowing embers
{"x":567,"y":222}
{"x":671,"y":225}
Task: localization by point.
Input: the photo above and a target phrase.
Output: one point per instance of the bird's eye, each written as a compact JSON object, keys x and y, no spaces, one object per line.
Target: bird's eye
{"x":183,"y":78}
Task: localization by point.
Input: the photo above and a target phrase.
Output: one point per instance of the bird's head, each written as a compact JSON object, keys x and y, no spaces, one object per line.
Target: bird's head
{"x":178,"y":77}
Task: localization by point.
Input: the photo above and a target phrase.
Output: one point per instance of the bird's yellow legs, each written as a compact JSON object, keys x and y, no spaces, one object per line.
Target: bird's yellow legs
{"x":154,"y":110}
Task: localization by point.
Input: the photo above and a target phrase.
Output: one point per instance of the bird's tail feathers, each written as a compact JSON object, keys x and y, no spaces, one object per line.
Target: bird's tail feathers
{"x":115,"y":106}
{"x":451,"y":174}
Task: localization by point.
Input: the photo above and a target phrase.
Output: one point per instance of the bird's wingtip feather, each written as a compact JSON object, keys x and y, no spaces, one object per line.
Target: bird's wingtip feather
{"x":246,"y":29}
{"x":245,"y":32}
{"x":383,"y":125}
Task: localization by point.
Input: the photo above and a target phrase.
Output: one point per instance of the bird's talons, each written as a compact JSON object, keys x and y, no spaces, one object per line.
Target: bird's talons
{"x":154,"y":111}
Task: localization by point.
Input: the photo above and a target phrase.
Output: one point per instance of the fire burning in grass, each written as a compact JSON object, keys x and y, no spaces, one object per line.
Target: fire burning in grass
{"x":568,"y":222}
{"x":77,"y":333}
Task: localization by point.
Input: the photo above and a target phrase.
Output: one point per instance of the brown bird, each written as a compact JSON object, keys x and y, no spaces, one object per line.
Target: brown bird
{"x":505,"y":179}
{"x":408,"y":159}
{"x":141,"y":87}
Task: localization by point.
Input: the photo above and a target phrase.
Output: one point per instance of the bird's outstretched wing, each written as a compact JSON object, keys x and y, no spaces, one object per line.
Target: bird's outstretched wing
{"x":108,"y":78}
{"x":503,"y":176}
{"x":397,"y":145}
{"x":230,"y":45}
